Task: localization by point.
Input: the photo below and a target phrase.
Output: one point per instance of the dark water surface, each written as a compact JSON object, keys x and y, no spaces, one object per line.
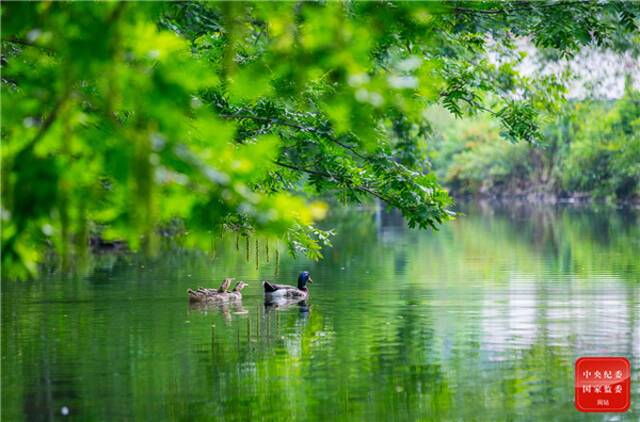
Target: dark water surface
{"x":481,"y":321}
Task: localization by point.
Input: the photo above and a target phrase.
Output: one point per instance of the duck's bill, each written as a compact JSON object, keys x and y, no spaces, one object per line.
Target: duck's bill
{"x":310,"y":280}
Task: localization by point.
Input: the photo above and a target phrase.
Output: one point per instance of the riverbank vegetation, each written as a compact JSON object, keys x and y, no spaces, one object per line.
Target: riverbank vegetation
{"x":128,"y":121}
{"x":591,"y":151}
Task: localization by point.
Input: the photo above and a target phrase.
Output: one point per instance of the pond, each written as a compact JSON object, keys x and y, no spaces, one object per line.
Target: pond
{"x":482,"y":320}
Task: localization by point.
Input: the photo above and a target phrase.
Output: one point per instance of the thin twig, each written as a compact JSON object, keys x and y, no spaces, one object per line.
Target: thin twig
{"x":293,"y":125}
{"x":304,"y":170}
{"x":524,"y":6}
{"x":51,"y":118}
{"x":362,"y":188}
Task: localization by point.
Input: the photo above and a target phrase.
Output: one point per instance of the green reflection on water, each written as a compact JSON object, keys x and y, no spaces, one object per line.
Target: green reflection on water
{"x":482,"y":320}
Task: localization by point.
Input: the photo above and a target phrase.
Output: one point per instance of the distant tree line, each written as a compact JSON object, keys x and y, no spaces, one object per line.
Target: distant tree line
{"x":590,"y":152}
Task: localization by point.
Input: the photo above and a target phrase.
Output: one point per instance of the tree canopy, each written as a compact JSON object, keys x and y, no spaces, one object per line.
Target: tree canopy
{"x":122,"y":118}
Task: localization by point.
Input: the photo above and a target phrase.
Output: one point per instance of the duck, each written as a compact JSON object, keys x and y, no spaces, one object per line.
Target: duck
{"x":235,"y":294}
{"x":276,"y":291}
{"x":208,"y":295}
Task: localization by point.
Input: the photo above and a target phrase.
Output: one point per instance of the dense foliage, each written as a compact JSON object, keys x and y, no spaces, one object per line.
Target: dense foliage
{"x":130,"y":120}
{"x":592,"y":151}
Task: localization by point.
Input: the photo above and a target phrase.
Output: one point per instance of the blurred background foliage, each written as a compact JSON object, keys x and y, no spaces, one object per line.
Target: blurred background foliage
{"x":123,"y":123}
{"x":591,"y":151}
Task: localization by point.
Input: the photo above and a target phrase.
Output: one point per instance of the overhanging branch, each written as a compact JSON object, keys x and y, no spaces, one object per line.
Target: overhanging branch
{"x":308,"y":129}
{"x":361,"y":188}
{"x":522,"y":6}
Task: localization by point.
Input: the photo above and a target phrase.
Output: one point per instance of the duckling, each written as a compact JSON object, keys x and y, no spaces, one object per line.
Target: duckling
{"x":205,"y":295}
{"x":235,"y":293}
{"x":274,"y":291}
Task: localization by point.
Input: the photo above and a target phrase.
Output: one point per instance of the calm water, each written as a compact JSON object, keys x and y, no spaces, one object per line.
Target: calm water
{"x":481,"y":321}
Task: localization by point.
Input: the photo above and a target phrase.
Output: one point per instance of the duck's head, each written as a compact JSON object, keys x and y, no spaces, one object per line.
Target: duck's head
{"x":241,"y":285}
{"x":303,"y":279}
{"x":226,"y":283}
